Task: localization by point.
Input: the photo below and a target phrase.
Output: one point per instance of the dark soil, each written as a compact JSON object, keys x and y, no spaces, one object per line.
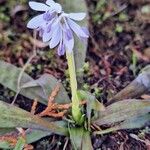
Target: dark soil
{"x":120,"y":34}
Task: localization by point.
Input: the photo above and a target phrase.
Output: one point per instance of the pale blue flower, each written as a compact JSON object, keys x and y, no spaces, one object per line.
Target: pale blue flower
{"x":63,"y":29}
{"x":49,"y":6}
{"x":56,"y":27}
{"x":50,"y":9}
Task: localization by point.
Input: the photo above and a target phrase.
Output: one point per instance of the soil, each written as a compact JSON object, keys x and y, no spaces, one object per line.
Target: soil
{"x":119,"y":46}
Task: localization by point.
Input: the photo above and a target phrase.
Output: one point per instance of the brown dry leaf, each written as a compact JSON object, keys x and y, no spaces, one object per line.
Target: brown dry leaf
{"x":147,"y":142}
{"x":28,"y":147}
{"x":34,"y":105}
{"x":17,"y":9}
{"x":145,"y":96}
{"x":147,"y":52}
{"x":53,"y":109}
{"x":12,"y":139}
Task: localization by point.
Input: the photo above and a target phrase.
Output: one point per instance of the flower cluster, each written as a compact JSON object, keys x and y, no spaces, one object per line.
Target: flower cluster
{"x":57,"y":27}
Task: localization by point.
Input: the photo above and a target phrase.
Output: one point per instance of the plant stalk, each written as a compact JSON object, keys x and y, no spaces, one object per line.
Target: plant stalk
{"x":76,"y":112}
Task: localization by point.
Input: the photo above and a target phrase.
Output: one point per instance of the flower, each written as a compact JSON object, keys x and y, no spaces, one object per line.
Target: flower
{"x":63,"y":29}
{"x":50,"y":9}
{"x":56,"y":27}
{"x":49,"y":6}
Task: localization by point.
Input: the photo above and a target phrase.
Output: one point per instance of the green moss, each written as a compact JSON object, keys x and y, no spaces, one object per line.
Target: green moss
{"x":123,"y":17}
{"x":119,"y":28}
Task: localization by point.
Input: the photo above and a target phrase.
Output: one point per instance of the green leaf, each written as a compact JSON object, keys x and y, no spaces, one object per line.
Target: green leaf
{"x":92,"y":104}
{"x":95,"y":104}
{"x":5,"y":145}
{"x":80,"y":48}
{"x":132,"y":123}
{"x":20,"y":144}
{"x":12,"y":117}
{"x":33,"y":89}
{"x":47,"y":83}
{"x":4,"y":131}
{"x":80,"y":139}
{"x":76,"y":135}
{"x":123,"y":110}
{"x":86,"y":141}
{"x":136,"y":88}
{"x":33,"y":135}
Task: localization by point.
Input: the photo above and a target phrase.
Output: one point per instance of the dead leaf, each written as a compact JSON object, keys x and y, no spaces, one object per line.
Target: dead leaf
{"x":17,"y":9}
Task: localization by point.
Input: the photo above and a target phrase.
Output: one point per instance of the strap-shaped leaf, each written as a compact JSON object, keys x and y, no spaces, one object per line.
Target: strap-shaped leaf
{"x":132,"y":123}
{"x":123,"y":110}
{"x":136,"y":88}
{"x":33,"y":89}
{"x":5,"y":131}
{"x":32,"y":135}
{"x":92,"y":104}
{"x":76,"y":135}
{"x":11,"y":117}
{"x":5,"y":145}
{"x":86,"y":141}
{"x":80,"y":139}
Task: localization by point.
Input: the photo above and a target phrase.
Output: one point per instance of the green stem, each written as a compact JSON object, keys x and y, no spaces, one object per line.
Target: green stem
{"x":76,"y":113}
{"x":106,"y":131}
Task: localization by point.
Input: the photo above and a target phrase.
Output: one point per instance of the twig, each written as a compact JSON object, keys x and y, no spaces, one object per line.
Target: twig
{"x":24,"y":68}
{"x":66,"y":143}
{"x":34,"y":105}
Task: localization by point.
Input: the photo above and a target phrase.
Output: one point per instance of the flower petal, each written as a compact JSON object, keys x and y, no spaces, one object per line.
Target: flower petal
{"x":86,"y":31}
{"x":69,"y":35}
{"x":38,"y":6}
{"x":48,"y":16}
{"x":35,"y":22}
{"x":69,"y":44}
{"x":46,"y":36}
{"x":49,"y":2}
{"x":77,"y":29}
{"x":61,"y":49}
{"x":55,"y":36}
{"x":77,"y":16}
{"x":55,"y":6}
